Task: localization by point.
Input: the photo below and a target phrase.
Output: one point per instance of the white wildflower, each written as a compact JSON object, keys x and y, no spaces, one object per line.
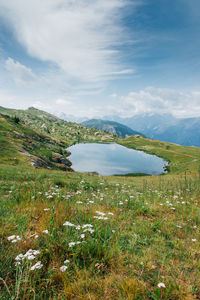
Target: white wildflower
{"x":66,"y":261}
{"x":100,"y":213}
{"x":38,"y":265}
{"x":161,"y":285}
{"x":45,"y":231}
{"x":82,"y":236}
{"x":19,"y":257}
{"x":31,"y":257}
{"x":63,"y":268}
{"x":87,"y":225}
{"x":12,"y":237}
{"x":68,"y":224}
{"x":100,"y":218}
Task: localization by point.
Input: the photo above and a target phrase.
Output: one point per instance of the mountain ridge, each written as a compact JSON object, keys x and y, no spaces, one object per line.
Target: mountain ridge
{"x":111,"y":127}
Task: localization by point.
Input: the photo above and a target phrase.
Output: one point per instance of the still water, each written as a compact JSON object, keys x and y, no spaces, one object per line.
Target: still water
{"x":112,"y":159}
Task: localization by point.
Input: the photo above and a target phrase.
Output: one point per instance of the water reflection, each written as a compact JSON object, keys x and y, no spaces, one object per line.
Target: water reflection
{"x":111,"y":159}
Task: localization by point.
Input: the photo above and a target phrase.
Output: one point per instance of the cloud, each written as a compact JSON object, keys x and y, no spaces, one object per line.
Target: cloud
{"x":81,"y":38}
{"x":63,"y":102}
{"x":19,"y":72}
{"x":161,"y":100}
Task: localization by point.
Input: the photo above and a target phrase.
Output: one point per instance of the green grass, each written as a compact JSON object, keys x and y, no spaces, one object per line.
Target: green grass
{"x":143,"y":243}
{"x":148,"y":233}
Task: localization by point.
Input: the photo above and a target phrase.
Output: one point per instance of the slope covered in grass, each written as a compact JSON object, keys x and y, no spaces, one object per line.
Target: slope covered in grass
{"x":50,"y":125}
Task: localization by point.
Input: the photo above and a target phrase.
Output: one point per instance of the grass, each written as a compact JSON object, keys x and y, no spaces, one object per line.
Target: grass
{"x":150,"y":235}
{"x":127,"y":234}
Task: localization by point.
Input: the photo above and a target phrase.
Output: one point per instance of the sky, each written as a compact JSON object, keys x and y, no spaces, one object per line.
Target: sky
{"x":92,"y":58}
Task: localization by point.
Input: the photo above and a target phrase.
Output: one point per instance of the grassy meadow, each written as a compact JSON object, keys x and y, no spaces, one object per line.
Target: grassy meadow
{"x":67,"y":235}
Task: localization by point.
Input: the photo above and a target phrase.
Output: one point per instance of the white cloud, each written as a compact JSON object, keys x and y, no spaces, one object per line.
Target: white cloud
{"x":19,"y":72}
{"x":62,"y":102}
{"x":162,"y":100}
{"x":78,"y":36}
{"x":183,"y":104}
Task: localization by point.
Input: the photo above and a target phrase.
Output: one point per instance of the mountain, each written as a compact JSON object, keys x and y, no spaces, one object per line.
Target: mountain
{"x":110,"y":126}
{"x":165,"y":128}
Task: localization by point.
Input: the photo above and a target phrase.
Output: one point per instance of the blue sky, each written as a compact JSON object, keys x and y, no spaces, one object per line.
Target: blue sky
{"x":96,"y":58}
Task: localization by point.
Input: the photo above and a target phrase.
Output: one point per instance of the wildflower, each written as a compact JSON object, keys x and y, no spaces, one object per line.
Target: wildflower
{"x":111,"y":214}
{"x":68,"y":224}
{"x":38,"y":265}
{"x":82,"y":236}
{"x":63,"y":268}
{"x":100,"y":218}
{"x":72,"y":244}
{"x":17,"y":263}
{"x":46,"y":209}
{"x":19,"y":257}
{"x":66,"y":261}
{"x":11,"y":237}
{"x":31,"y":257}
{"x":14,"y":241}
{"x":36,"y":236}
{"x":100,"y":213}
{"x":161,"y":285}
{"x":14,"y":238}
{"x":45,"y":231}
{"x":78,"y":227}
{"x":194,"y":240}
{"x":87,"y":225}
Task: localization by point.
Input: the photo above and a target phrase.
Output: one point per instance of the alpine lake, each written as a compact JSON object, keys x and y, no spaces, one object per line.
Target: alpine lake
{"x":114,"y":159}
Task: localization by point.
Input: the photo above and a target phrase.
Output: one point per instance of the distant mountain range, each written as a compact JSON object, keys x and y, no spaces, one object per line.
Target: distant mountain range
{"x":163,"y":127}
{"x":110,"y":126}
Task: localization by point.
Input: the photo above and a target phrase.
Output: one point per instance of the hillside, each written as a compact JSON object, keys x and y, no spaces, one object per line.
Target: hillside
{"x":69,"y":235}
{"x":52,"y":126}
{"x":19,"y":145}
{"x":111,"y":127}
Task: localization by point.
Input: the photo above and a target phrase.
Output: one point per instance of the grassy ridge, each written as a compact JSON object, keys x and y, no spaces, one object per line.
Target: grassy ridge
{"x":180,"y":158}
{"x":123,"y":238}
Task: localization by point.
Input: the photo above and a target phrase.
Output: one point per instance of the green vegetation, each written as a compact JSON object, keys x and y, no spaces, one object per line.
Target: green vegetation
{"x":94,"y":237}
{"x":45,"y":123}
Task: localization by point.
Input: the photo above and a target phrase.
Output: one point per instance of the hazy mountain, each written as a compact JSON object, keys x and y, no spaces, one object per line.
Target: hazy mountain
{"x":71,"y":118}
{"x":110,"y":126}
{"x":165,"y":128}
